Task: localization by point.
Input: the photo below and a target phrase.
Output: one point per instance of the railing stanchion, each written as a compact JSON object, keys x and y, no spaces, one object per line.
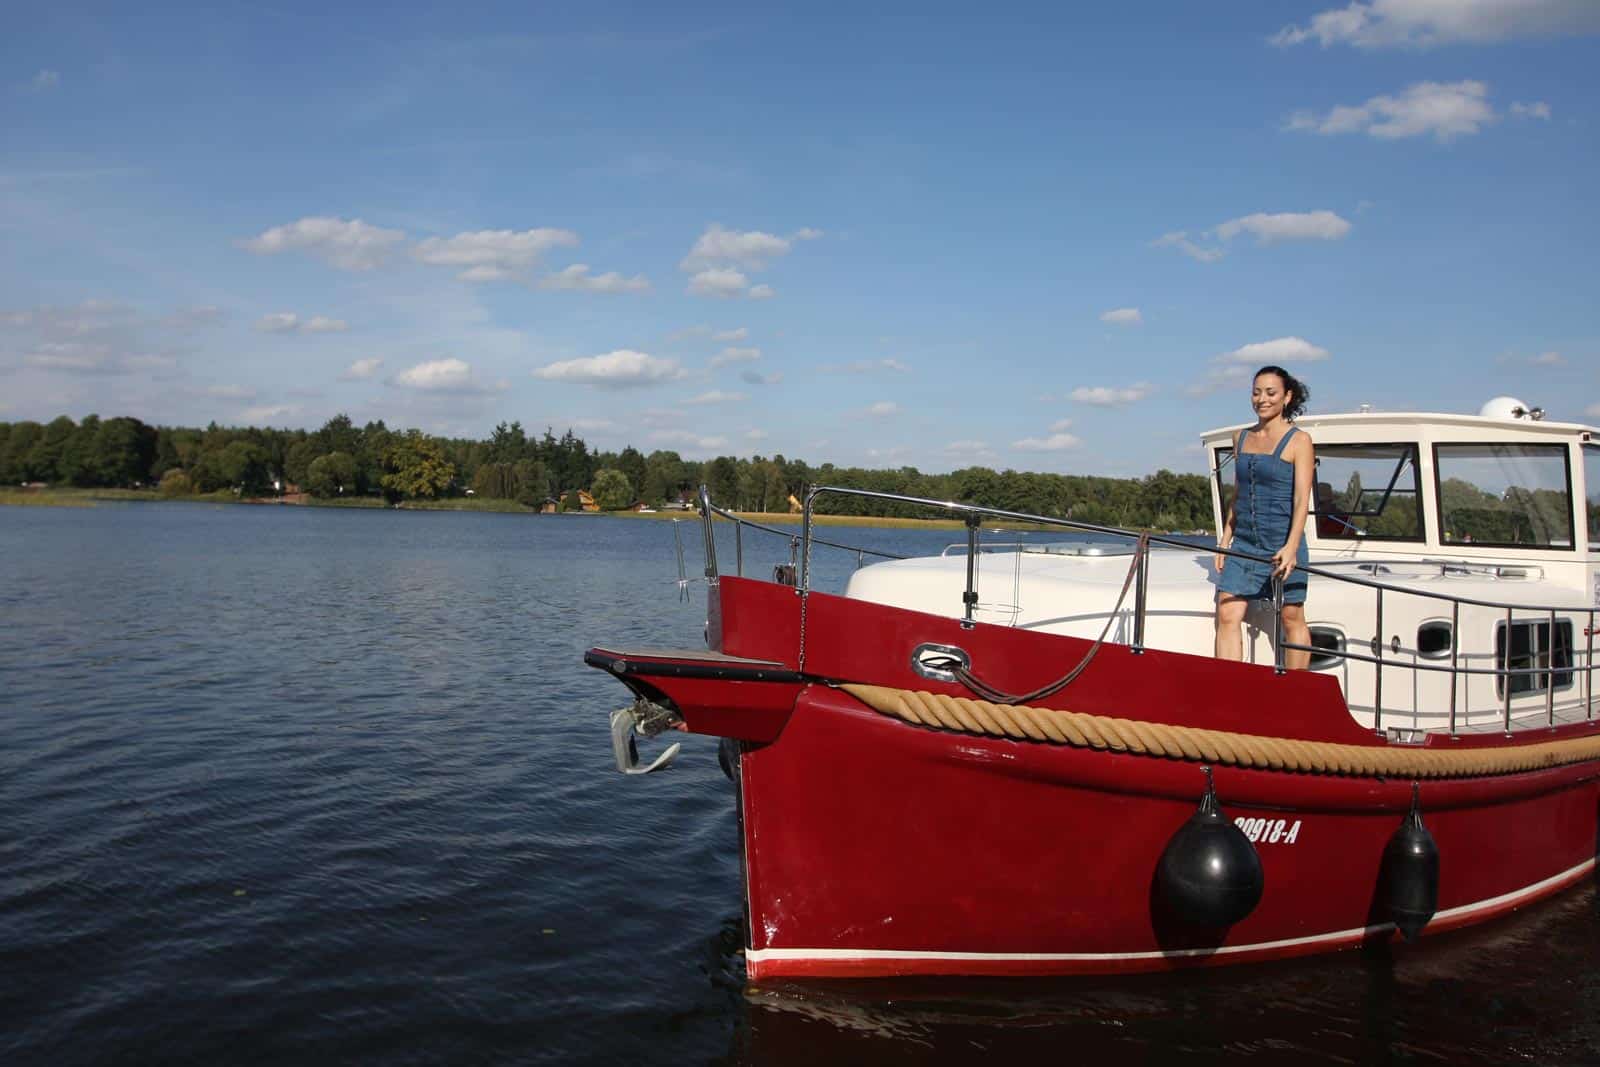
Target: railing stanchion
{"x":1588,"y":678}
{"x":1455,"y":648}
{"x":711,"y":535}
{"x":805,"y":545}
{"x":738,"y":548}
{"x":1377,"y":669}
{"x":1505,"y":679}
{"x":1140,"y":584}
{"x":969,"y":598}
{"x":1278,"y":656}
{"x":1550,"y":675}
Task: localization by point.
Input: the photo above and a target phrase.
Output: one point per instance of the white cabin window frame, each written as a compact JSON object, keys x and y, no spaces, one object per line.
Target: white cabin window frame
{"x":1441,"y":455}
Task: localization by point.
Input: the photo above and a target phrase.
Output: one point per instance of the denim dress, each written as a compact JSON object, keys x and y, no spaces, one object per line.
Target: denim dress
{"x":1263,"y":508}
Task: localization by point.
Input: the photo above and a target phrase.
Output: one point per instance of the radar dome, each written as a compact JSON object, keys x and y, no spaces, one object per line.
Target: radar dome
{"x":1506,"y":407}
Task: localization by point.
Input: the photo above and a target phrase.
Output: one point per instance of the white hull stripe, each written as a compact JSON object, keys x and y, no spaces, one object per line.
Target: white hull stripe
{"x":1465,"y":910}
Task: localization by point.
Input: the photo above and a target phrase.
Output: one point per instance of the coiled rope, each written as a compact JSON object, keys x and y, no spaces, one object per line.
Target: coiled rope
{"x":1167,"y":741}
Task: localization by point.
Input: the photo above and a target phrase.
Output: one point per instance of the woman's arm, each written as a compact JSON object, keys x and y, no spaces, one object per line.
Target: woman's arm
{"x":1304,"y":457}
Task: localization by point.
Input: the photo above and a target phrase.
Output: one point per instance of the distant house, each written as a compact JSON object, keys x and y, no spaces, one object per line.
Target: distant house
{"x":550,"y":506}
{"x":587,"y":501}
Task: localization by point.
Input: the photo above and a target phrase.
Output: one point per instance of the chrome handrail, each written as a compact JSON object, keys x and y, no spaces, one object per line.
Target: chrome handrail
{"x":708,"y":510}
{"x":974,"y":514}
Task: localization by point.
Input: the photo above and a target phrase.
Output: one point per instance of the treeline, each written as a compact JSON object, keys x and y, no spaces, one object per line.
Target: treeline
{"x":342,"y":459}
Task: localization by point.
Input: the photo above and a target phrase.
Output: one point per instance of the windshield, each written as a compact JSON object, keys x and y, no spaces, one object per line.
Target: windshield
{"x":1367,"y":491}
{"x":1507,"y":496}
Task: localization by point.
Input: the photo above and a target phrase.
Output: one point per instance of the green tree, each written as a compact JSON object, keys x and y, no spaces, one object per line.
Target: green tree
{"x":239,"y":465}
{"x":176,"y":483}
{"x":331,"y":475}
{"x":611,"y":489}
{"x":572,"y":501}
{"x":123,"y":452}
{"x":532,"y":482}
{"x":415,"y":466}
{"x":46,"y":451}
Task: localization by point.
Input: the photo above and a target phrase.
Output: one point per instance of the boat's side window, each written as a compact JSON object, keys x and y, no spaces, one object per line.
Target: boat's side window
{"x":1367,"y":491}
{"x":1433,"y":639}
{"x":1504,"y":495}
{"x":1534,"y":648}
{"x":1591,"y":489}
{"x":1329,"y":643}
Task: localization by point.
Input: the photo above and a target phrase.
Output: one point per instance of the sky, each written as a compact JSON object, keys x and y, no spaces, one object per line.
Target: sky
{"x":1052,"y":237}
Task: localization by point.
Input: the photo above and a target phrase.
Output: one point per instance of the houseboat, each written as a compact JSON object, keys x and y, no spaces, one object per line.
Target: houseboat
{"x":1020,"y":756}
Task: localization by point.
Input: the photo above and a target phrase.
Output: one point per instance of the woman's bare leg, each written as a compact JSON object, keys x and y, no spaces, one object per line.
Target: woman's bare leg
{"x":1296,"y":632}
{"x":1230,"y":626}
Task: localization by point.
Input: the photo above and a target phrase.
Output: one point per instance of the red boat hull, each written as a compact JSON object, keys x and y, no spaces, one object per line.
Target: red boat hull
{"x":874,"y":847}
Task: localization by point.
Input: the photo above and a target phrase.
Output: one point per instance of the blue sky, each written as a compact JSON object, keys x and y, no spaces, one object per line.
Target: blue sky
{"x":1049,"y":237}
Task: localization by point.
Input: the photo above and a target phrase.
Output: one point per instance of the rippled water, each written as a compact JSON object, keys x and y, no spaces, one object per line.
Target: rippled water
{"x":303,"y":785}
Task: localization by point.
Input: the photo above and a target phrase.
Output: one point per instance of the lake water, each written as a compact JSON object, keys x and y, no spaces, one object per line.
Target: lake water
{"x":284,"y":785}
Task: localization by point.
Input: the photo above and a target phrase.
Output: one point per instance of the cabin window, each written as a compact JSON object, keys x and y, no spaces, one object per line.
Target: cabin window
{"x":1591,"y":488}
{"x":1504,"y":496}
{"x":1534,"y":648}
{"x":1367,"y":491}
{"x":1433,"y":640}
{"x":1329,"y":644}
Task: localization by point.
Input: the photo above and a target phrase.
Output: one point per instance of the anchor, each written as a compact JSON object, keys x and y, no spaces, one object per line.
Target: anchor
{"x":644,"y":718}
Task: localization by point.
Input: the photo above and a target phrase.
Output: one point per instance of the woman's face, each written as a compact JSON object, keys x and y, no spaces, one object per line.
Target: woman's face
{"x":1268,"y":396}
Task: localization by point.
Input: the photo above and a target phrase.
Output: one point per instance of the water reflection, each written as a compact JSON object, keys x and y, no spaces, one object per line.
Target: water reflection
{"x":1518,"y":991}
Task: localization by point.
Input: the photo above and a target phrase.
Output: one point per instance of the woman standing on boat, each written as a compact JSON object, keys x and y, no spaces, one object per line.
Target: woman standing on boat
{"x":1274,"y":468}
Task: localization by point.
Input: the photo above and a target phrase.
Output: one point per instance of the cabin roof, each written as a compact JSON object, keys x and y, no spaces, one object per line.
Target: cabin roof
{"x":1414,"y":424}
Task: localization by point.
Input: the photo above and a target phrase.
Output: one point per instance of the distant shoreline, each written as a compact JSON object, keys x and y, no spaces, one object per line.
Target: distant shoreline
{"x":88,"y":498}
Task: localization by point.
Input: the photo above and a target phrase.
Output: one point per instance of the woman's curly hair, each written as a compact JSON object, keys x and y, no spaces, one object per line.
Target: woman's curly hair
{"x":1298,"y":392}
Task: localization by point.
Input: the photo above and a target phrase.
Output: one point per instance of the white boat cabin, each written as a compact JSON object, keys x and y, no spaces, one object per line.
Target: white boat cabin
{"x":1483,"y":530}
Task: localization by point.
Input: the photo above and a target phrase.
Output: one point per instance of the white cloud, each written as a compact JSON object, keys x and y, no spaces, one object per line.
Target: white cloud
{"x":1278,"y":350}
{"x":1122,"y":317}
{"x":1286,"y":226}
{"x":688,"y":440}
{"x":762,"y":292}
{"x":967,"y":449}
{"x":723,"y":282}
{"x":751,"y":249}
{"x":620,"y":369}
{"x":230,"y":392}
{"x":361,"y":370}
{"x":346,"y":244}
{"x":1425,"y":23}
{"x":756,"y":435}
{"x":492,"y":255}
{"x":578,"y":277}
{"x":44,"y":81}
{"x":884,"y":408}
{"x":1107,"y":396}
{"x":806,"y":233}
{"x":717,"y":396}
{"x":449,"y":375}
{"x":1061,"y":426}
{"x":289,"y":322}
{"x":1056,"y":442}
{"x":757,"y":378}
{"x":267,"y":413}
{"x":1538,"y":109}
{"x":1542,"y":359}
{"x":737,"y":334}
{"x":1179,"y":239}
{"x":278,"y":322}
{"x":1445,"y":111}
{"x":867,"y":366}
{"x":733,"y":354}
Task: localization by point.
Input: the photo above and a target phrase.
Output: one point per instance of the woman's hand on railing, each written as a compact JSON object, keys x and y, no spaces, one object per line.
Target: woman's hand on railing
{"x":1221,"y":559}
{"x":1283,"y":561}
